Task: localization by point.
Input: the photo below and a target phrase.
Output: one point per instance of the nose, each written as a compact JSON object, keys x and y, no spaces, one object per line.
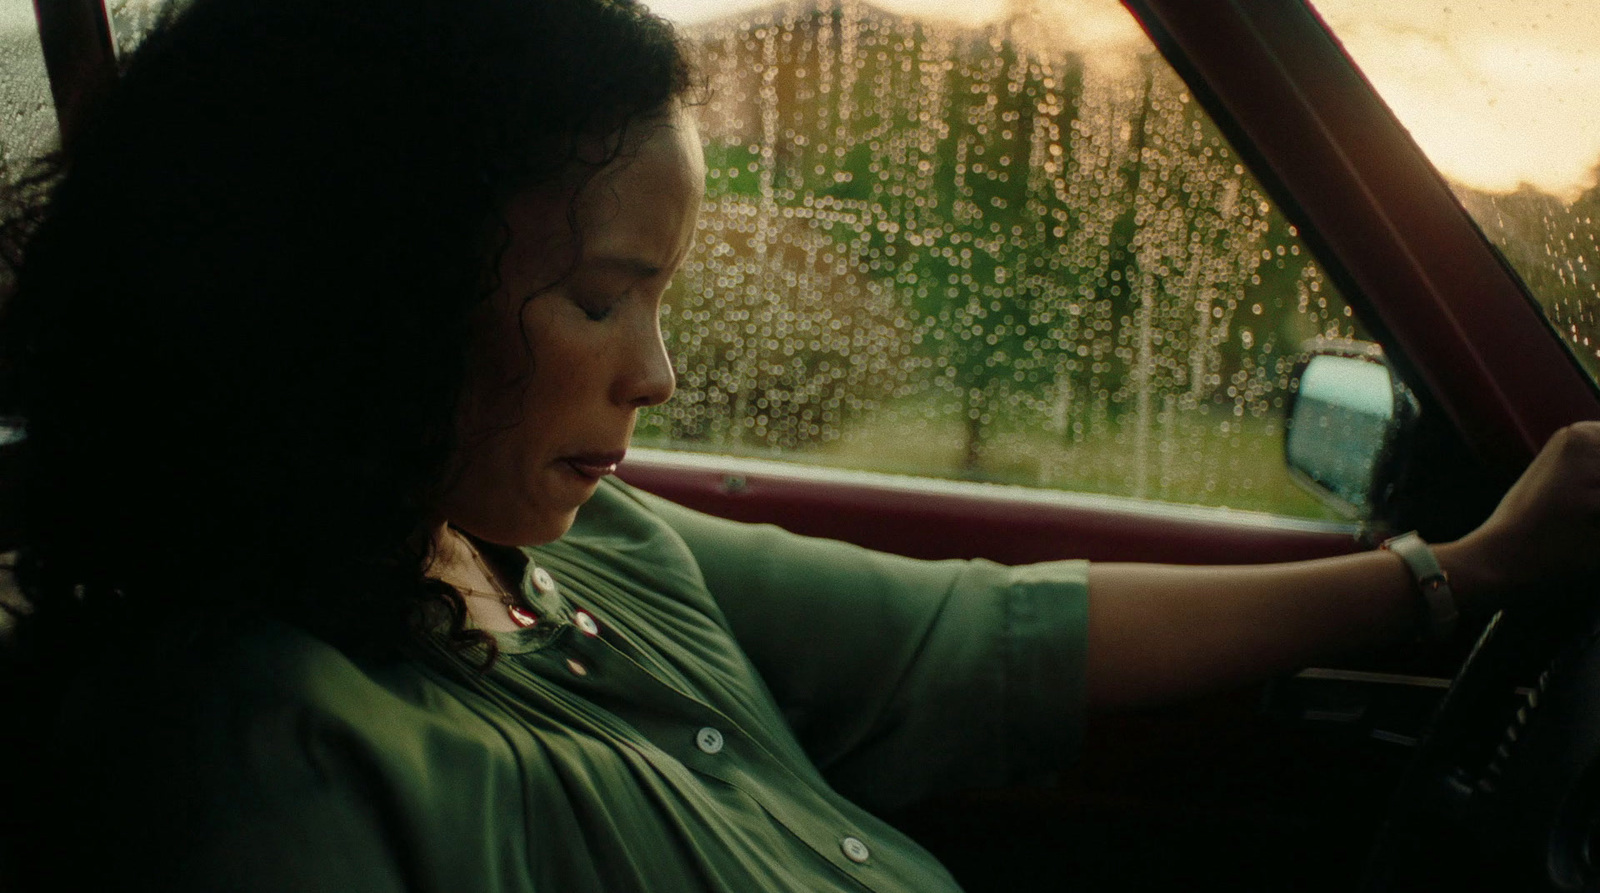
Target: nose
{"x":651,"y":380}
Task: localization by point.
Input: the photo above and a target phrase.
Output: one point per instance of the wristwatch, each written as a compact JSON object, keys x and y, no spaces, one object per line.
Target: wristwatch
{"x":1432,"y":581}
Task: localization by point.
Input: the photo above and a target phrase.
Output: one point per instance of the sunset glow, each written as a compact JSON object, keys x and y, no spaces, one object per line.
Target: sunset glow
{"x":1497,"y":92}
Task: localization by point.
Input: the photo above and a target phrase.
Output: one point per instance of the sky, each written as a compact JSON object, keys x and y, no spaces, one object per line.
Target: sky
{"x":1080,"y":24}
{"x":966,"y":11}
{"x":1496,"y":92}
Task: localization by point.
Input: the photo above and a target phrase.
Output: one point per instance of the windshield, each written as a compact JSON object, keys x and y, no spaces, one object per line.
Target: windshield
{"x":1504,"y":98}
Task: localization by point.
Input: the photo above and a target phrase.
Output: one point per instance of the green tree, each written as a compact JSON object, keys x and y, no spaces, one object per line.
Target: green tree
{"x":1037,"y":240}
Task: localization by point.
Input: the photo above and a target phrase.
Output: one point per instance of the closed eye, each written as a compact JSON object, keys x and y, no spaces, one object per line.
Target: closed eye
{"x":595,"y":307}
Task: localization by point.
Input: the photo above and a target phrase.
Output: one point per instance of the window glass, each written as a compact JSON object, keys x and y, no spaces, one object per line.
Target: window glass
{"x":27,"y":130}
{"x":1504,"y":97}
{"x":1010,"y":248}
{"x":28,"y":126}
{"x":131,"y":20}
{"x":27,"y":112}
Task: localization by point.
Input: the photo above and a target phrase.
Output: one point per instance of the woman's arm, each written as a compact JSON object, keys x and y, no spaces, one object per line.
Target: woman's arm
{"x":1160,"y":632}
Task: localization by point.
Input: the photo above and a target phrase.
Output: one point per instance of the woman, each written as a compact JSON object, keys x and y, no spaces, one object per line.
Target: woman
{"x":338,"y":315}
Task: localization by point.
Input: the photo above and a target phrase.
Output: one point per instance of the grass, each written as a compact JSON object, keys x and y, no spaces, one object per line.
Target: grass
{"x":1205,"y":456}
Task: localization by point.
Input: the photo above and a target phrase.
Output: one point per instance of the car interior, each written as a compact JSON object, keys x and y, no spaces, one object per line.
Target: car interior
{"x":1155,"y":281}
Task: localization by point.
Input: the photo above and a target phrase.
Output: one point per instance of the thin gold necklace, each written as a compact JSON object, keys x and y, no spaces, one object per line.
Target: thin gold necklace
{"x":519,"y":614}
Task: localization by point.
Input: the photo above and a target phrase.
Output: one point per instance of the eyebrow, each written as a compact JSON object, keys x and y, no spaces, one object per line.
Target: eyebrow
{"x":633,"y":266}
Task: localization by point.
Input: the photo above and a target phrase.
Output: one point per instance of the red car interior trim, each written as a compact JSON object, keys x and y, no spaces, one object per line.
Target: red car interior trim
{"x":929,"y":518}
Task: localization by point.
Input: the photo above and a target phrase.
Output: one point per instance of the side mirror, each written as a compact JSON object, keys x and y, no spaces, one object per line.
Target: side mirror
{"x":1346,"y":416}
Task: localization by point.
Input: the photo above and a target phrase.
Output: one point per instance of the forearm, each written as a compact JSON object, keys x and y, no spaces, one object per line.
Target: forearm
{"x":1162,"y":632}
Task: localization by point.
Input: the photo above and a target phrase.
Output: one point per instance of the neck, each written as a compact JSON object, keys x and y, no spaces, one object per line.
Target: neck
{"x":458,"y":562}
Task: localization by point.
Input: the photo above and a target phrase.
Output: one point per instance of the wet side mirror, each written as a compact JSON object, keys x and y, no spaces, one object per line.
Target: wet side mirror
{"x":1346,"y":415}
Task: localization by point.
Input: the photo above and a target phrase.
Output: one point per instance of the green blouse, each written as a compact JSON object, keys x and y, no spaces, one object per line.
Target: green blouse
{"x":704,"y":705}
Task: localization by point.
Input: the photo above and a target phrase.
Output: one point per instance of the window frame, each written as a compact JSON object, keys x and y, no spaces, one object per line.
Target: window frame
{"x":80,"y":57}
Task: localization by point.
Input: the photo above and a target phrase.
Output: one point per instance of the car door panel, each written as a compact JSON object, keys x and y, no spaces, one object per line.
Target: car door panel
{"x":1013,"y":525}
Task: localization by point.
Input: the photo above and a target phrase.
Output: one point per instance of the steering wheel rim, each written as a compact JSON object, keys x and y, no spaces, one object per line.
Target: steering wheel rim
{"x":1504,"y":791}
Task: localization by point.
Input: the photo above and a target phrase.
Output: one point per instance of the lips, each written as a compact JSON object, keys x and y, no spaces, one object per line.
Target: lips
{"x":594,"y":465}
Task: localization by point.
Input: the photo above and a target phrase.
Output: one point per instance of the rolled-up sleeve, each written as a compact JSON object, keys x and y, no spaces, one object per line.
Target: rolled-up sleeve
{"x":901,"y":677}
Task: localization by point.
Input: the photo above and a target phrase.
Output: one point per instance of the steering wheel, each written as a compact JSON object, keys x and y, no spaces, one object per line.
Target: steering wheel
{"x":1504,"y":792}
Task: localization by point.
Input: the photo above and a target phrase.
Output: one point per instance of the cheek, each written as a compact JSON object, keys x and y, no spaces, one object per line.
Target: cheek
{"x":492,"y":416}
{"x":557,"y":394}
{"x":525,"y":391}
{"x":505,"y":365}
{"x":566,"y":363}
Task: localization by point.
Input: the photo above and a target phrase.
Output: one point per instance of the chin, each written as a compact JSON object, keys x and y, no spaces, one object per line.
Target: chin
{"x":530,"y":529}
{"x":546,"y":528}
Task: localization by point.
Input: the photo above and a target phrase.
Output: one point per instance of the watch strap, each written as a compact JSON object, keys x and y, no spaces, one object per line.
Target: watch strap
{"x":1432,"y":582}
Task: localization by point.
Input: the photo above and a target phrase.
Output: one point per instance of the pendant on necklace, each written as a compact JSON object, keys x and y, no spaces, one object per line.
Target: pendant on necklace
{"x":521,"y":616}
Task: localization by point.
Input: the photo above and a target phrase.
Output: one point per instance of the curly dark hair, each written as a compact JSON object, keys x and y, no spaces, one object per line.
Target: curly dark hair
{"x":238,"y":330}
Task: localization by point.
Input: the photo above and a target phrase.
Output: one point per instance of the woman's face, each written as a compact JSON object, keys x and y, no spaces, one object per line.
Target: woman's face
{"x":560,"y":372}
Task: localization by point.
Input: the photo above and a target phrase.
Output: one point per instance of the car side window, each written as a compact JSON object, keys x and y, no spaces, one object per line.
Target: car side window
{"x":1013,"y":251}
{"x":27,"y":112}
{"x":132,"y":20}
{"x":28,"y":124}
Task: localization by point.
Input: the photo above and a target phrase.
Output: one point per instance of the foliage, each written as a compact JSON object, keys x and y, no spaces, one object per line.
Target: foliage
{"x":1554,"y":246}
{"x":1032,"y":234}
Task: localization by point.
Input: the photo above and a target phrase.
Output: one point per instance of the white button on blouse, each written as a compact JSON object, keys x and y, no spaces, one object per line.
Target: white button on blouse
{"x":543,"y":582}
{"x":586,"y":623}
{"x":855,"y":850}
{"x":709,"y":740}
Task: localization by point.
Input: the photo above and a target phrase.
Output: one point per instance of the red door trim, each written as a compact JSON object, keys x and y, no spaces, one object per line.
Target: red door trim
{"x":926,"y":518}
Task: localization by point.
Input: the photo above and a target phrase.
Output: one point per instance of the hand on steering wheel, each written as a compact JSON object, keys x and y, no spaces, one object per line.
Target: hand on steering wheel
{"x":1509,"y":774}
{"x":1545,"y":530}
